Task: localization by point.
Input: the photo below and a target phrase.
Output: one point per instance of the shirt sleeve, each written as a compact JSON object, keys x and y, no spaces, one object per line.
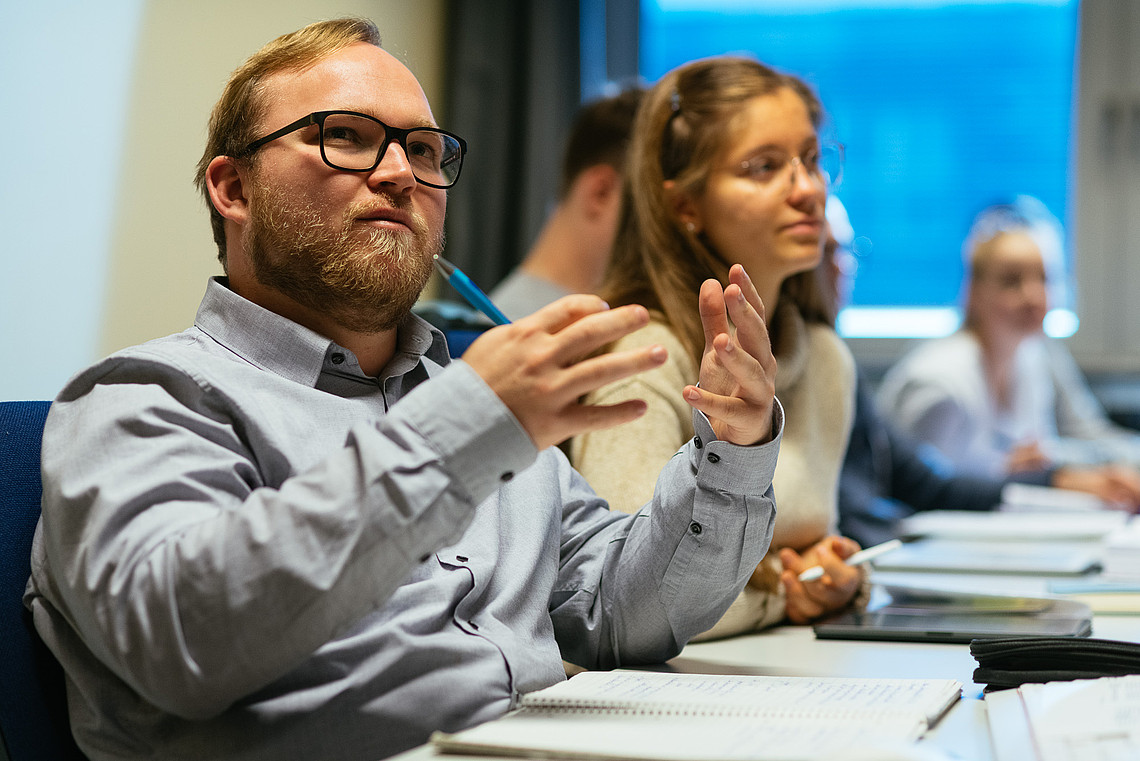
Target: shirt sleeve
{"x":1079,"y":413}
{"x":671,"y":570}
{"x":165,"y":535}
{"x":928,"y":413}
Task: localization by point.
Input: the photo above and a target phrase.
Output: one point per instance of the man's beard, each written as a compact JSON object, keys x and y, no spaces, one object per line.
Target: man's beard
{"x":365,"y":279}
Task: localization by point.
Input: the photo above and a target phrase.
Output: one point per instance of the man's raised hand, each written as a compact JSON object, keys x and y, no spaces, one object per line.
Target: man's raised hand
{"x":542,"y":365}
{"x":738,"y":372}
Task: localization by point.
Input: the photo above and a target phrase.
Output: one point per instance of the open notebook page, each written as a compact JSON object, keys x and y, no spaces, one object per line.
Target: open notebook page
{"x":682,"y":717}
{"x":707,"y":694}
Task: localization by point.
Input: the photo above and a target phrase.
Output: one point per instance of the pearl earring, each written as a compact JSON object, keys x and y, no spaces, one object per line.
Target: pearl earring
{"x":690,"y":227}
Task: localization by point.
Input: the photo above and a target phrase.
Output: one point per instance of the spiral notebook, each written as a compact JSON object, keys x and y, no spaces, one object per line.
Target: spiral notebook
{"x":633,"y":715}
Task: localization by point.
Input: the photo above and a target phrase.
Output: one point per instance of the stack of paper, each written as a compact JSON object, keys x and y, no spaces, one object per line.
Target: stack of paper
{"x":1018,"y":497}
{"x":1017,"y":526}
{"x":1067,"y":721}
{"x":990,"y":556}
{"x":1100,"y":594}
{"x":1121,"y":557}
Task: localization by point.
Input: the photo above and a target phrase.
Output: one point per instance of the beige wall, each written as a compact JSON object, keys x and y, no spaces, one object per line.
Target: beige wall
{"x":161,"y":248}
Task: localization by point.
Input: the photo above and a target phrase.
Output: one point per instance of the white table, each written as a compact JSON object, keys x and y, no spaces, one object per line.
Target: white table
{"x":793,"y":650}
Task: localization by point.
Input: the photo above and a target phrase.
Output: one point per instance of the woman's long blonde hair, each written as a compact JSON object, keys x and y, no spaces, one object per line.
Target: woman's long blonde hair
{"x":682,"y":125}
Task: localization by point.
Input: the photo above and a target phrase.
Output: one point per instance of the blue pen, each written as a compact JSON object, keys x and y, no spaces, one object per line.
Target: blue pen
{"x":468,"y":290}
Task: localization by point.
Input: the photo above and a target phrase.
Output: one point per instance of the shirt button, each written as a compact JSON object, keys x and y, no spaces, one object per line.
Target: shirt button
{"x":338,"y":358}
{"x":507,"y":476}
{"x":713,"y":458}
{"x":695,"y":528}
{"x":697,"y":442}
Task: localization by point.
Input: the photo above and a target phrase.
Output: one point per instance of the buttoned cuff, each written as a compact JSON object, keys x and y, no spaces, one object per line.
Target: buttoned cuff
{"x":480,"y":441}
{"x":724,"y":466}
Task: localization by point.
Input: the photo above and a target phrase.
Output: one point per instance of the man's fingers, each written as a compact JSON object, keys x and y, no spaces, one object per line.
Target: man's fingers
{"x":752,"y":383}
{"x":746,"y":369}
{"x":584,"y":336}
{"x":714,"y":318}
{"x":728,"y":409}
{"x":584,"y":323}
{"x":739,"y":276}
{"x":541,"y":366}
{"x":567,"y":310}
{"x":751,"y":332}
{"x":595,"y":372}
{"x":747,"y":312}
{"x":593,"y":417}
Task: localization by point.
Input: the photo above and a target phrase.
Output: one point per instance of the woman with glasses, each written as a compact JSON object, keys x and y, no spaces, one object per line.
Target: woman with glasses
{"x":726,"y":167}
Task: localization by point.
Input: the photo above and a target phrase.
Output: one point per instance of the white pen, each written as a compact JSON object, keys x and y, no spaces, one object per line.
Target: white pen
{"x":859,"y":558}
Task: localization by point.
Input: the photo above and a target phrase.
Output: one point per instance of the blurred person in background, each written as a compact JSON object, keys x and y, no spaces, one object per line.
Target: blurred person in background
{"x":888,"y":476}
{"x":998,"y":396}
{"x":573,"y":248}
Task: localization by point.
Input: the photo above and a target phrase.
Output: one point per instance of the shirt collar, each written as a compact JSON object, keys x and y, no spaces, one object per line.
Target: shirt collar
{"x":278,"y":345}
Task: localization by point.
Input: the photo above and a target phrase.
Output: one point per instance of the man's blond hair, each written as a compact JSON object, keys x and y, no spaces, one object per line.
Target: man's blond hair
{"x":236,"y":117}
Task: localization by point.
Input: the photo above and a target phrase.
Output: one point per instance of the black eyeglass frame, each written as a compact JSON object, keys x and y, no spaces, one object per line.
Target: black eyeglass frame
{"x":390,"y":133}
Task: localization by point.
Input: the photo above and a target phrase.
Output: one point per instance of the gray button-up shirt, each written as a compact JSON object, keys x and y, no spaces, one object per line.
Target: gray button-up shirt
{"x":251,"y":550}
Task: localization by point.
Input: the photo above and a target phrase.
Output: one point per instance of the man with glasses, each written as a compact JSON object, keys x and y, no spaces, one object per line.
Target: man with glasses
{"x":296,"y":530}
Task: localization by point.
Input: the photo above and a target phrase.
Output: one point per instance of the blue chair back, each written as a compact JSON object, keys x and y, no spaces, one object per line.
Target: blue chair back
{"x":33,"y":711}
{"x":459,"y":339}
{"x":460,"y":323}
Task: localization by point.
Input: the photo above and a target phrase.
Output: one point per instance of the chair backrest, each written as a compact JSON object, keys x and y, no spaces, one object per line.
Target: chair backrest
{"x":33,"y":714}
{"x":458,"y":340}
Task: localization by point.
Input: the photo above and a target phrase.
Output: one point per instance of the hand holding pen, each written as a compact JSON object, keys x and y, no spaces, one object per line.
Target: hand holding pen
{"x":859,"y":558}
{"x":806,"y":601}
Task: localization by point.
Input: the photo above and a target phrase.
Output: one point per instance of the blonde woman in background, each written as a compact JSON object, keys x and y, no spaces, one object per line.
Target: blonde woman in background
{"x":998,"y":396}
{"x":725,"y":168}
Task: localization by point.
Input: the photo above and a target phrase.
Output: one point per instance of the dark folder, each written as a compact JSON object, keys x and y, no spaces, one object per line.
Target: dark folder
{"x":1012,"y":661}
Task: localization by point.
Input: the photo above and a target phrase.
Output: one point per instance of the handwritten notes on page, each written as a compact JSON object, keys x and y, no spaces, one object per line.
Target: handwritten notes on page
{"x":683,"y":717}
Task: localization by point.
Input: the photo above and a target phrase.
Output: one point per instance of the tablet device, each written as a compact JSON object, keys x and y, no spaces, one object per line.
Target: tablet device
{"x":930,"y":616}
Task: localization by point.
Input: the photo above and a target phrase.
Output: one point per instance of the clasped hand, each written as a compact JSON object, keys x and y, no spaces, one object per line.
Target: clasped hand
{"x":808,"y":600}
